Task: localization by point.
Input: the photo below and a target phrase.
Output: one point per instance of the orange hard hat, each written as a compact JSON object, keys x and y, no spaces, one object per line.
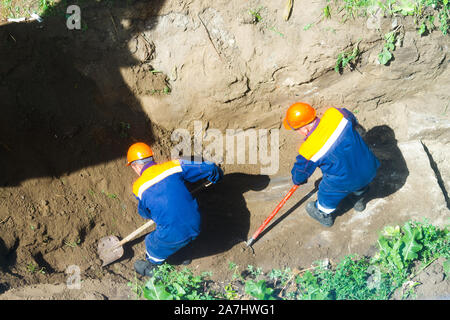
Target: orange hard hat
{"x":138,"y":151}
{"x":298,"y":115}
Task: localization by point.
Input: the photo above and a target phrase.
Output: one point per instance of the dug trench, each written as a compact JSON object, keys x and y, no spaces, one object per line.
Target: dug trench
{"x":72,"y":101}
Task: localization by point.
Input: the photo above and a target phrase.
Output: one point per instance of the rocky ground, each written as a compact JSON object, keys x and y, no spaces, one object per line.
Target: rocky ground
{"x":74,"y":100}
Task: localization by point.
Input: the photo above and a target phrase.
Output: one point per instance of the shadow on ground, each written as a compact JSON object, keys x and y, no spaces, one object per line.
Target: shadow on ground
{"x":64,"y":102}
{"x":225,"y":216}
{"x":392,"y":173}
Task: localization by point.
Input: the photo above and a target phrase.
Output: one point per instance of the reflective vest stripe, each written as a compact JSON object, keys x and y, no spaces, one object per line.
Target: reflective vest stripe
{"x":324,"y":136}
{"x":155,"y":174}
{"x":330,"y":141}
{"x":157,"y":179}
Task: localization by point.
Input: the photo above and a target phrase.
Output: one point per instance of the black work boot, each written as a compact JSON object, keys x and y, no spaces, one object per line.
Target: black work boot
{"x":359,"y":205}
{"x":186,"y":262}
{"x":145,"y":268}
{"x":357,"y":198}
{"x":326,"y":219}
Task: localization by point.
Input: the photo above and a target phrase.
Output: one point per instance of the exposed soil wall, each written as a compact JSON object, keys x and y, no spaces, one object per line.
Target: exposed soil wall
{"x":73,"y":101}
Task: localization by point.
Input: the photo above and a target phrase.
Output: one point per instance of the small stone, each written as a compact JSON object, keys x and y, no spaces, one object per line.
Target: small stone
{"x":126,"y":23}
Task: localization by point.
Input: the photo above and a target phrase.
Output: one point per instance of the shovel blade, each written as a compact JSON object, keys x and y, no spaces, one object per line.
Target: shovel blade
{"x":108,"y":250}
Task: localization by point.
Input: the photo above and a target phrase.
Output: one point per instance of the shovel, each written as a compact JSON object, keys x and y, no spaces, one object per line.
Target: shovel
{"x":274,"y":212}
{"x":110,"y":248}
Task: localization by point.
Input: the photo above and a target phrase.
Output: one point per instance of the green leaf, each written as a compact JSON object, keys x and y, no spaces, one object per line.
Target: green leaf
{"x":154,"y":291}
{"x":391,"y":231}
{"x":395,"y":255}
{"x":411,"y":246}
{"x":406,"y":7}
{"x":390,"y":37}
{"x":422,"y":28}
{"x":259,"y":290}
{"x":390,"y":46}
{"x":385,"y":56}
{"x":384,"y":245}
{"x":180,"y":291}
{"x":327,"y":12}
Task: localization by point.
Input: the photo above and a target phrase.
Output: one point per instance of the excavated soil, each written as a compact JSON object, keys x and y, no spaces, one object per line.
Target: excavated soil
{"x":72,"y":101}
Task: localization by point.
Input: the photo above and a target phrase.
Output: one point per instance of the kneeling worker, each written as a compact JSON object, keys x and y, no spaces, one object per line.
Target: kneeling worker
{"x":164,"y":198}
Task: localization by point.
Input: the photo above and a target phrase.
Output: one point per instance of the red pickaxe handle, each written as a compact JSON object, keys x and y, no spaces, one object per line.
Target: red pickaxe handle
{"x":274,"y":212}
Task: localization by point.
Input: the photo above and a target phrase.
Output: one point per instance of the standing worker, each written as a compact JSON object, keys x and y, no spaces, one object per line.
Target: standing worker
{"x":332,"y":144}
{"x":164,"y":198}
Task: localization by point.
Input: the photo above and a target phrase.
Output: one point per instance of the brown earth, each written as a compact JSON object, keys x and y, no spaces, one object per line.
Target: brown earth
{"x":73,"y":101}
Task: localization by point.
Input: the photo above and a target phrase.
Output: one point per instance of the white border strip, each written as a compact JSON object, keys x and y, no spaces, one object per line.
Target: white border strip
{"x":330,"y":140}
{"x":157,"y":179}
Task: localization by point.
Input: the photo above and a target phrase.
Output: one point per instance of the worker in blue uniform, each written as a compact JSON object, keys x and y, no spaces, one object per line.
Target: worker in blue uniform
{"x":333,"y":144}
{"x":164,"y":198}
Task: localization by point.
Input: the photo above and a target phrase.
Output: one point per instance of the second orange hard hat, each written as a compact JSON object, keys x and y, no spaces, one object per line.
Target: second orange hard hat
{"x":138,"y":151}
{"x":298,"y":115}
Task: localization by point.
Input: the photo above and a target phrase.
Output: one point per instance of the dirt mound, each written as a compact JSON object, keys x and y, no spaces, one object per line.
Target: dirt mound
{"x":73,"y":101}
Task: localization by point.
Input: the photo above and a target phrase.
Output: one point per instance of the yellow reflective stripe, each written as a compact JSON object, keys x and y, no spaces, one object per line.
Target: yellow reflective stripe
{"x":323,"y":137}
{"x":155,"y":174}
{"x":330,"y":141}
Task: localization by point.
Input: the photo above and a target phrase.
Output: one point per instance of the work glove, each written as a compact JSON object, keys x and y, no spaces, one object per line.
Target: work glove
{"x":302,"y":170}
{"x":298,"y":177}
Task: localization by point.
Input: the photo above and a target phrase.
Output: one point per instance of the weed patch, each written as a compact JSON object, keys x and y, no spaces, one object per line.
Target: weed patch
{"x":403,"y":252}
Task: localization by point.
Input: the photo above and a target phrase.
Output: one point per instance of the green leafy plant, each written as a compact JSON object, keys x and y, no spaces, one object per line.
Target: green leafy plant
{"x":235,"y":268}
{"x":137,"y":287}
{"x":354,"y":8}
{"x":327,"y":11}
{"x":34,"y":268}
{"x":444,"y":16}
{"x":230,"y":292}
{"x":311,"y":288}
{"x":347,"y":58}
{"x":257,"y":17}
{"x":170,"y":284}
{"x":403,"y":253}
{"x":259,"y":290}
{"x":281,"y":275}
{"x":415,"y":241}
{"x":389,"y":45}
{"x":255,"y":272}
{"x":167,"y":90}
{"x":256,"y":14}
{"x":427,"y":25}
{"x":72,"y":244}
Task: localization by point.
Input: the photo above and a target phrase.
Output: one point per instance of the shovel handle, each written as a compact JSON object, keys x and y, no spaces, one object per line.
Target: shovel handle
{"x":274,"y":212}
{"x":205,"y":184}
{"x":135,"y":233}
{"x":151,"y":222}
